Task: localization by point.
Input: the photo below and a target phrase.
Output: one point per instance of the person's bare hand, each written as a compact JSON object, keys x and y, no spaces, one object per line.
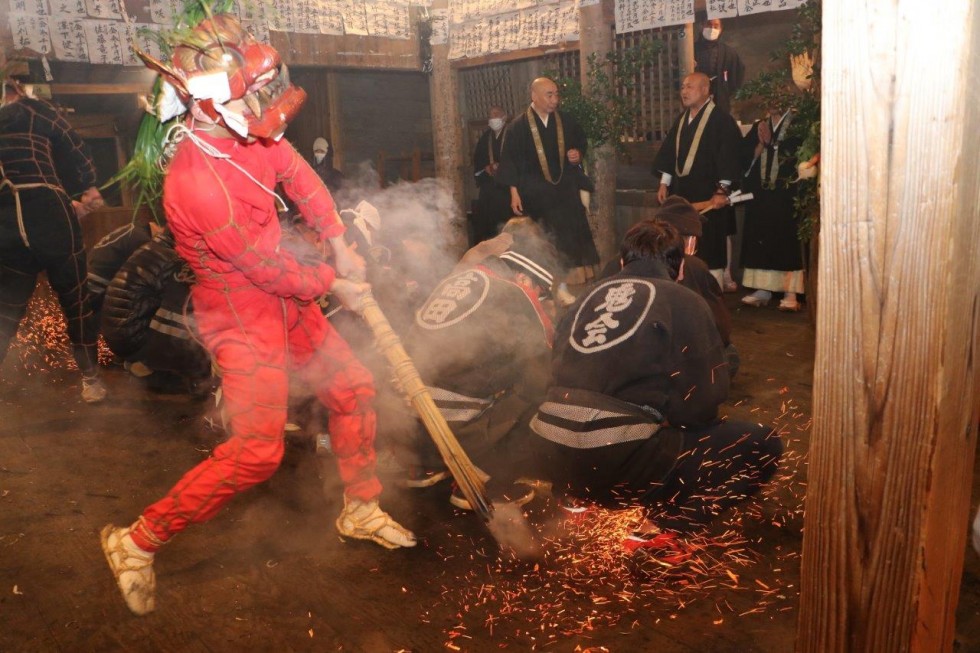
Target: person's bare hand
{"x":350,"y":293}
{"x":662,"y":193}
{"x":515,"y":202}
{"x":81,"y":210}
{"x":92,"y":199}
{"x":719,"y":201}
{"x":348,"y":263}
{"x":765,"y":133}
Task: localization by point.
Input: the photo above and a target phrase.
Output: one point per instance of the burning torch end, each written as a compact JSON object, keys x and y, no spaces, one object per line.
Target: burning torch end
{"x":513,"y":533}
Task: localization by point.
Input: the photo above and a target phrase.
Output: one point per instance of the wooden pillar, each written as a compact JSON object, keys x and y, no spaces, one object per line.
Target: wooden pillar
{"x":685,"y":50}
{"x":896,"y":390}
{"x":447,"y":126}
{"x":596,"y":34}
{"x":336,"y":121}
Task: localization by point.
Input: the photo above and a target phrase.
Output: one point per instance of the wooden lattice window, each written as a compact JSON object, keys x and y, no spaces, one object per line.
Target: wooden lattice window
{"x":655,"y":87}
{"x":487,"y":86}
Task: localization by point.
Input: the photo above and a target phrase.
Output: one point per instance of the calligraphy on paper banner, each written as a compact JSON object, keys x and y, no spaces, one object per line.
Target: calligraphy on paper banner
{"x":440,"y":26}
{"x":722,"y":9}
{"x":68,"y":40}
{"x":65,"y":9}
{"x":104,"y":41}
{"x":481,"y":27}
{"x":103,"y":9}
{"x":142,"y":36}
{"x":30,"y":7}
{"x":635,"y":15}
{"x":95,"y":31}
{"x":30,"y":32}
{"x":747,"y":7}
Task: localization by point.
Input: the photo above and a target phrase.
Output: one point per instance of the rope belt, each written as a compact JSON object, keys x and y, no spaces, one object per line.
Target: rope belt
{"x":15,"y":190}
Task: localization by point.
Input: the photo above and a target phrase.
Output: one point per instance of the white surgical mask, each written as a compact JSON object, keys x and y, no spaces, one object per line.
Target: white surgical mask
{"x":319,"y":156}
{"x":496,"y":124}
{"x":711,"y":33}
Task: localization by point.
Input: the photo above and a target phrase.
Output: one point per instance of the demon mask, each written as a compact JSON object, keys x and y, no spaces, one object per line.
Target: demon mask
{"x":219,"y":61}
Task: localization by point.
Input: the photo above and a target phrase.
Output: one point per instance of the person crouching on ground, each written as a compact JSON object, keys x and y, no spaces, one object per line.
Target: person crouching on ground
{"x":639,"y":373}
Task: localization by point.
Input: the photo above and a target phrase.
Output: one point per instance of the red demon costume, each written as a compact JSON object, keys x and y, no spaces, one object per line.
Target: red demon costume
{"x":252,"y":301}
{"x":253,"y":310}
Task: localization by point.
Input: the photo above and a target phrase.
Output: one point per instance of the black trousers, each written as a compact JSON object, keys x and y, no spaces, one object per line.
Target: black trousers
{"x":716,"y":467}
{"x":53,"y":245}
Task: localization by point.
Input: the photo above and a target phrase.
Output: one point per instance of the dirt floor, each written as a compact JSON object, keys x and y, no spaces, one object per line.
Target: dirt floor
{"x":270,"y":573}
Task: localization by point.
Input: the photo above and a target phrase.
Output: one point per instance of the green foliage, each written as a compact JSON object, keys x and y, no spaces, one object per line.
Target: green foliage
{"x":775,"y":87}
{"x":605,"y":108}
{"x":144,"y":172}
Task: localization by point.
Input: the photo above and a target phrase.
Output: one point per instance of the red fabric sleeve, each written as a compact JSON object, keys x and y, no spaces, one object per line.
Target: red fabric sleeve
{"x":305,"y":188}
{"x":241,"y":236}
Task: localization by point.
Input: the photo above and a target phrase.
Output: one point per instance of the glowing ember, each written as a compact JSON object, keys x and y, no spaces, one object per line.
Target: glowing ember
{"x":42,"y":343}
{"x":588,"y":582}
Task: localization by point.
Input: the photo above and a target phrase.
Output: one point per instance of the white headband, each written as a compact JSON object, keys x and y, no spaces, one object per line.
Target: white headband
{"x":529,"y":266}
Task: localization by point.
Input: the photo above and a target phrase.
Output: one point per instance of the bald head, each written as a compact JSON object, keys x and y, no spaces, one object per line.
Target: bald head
{"x":544,"y":95}
{"x":695,"y":90}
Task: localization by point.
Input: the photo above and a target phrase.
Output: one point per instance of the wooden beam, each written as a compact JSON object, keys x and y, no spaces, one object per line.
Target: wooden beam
{"x":100,"y":89}
{"x":896,"y":388}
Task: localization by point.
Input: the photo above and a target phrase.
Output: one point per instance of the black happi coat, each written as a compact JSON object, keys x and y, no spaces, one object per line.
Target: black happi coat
{"x":770,"y":240}
{"x":557,"y":206}
{"x":717,"y":158}
{"x":723,"y":66}
{"x":146,"y":315}
{"x":480,"y":336}
{"x":493,"y":205}
{"x":108,"y":256}
{"x":639,"y":338}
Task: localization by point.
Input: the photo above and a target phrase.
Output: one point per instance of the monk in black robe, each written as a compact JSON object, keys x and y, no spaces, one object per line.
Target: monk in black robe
{"x":492,"y":208}
{"x":542,"y":163}
{"x":699,"y":160}
{"x":771,"y":256}
{"x":720,"y":62}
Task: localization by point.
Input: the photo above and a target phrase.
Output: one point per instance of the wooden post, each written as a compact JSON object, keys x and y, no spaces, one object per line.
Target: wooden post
{"x":596,"y":34}
{"x":336,"y":121}
{"x":896,"y":389}
{"x":685,"y":50}
{"x":447,"y":126}
{"x":416,"y":163}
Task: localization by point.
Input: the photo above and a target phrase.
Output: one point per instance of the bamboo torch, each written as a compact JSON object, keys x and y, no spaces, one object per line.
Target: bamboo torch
{"x":459,"y":464}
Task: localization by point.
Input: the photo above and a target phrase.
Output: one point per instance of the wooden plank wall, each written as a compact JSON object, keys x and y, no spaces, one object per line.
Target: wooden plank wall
{"x":896,"y":395}
{"x":362,"y":52}
{"x":384,"y":111}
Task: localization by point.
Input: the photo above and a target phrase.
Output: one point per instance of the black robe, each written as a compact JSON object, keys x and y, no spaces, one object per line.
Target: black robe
{"x":770,"y":240}
{"x":558,"y":207}
{"x":717,"y":158}
{"x":493,"y":205}
{"x":723,"y":66}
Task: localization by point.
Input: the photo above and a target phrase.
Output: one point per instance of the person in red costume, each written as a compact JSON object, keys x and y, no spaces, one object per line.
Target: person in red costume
{"x":253,"y":301}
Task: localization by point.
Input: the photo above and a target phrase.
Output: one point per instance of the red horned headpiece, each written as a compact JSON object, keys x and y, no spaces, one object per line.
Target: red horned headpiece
{"x":219,"y":61}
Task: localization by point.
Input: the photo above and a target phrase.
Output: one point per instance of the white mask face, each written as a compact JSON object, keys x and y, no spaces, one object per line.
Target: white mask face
{"x":496,"y":124}
{"x":319,"y":156}
{"x":710,"y":33}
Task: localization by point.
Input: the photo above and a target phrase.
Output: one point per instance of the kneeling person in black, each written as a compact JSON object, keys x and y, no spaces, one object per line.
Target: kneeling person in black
{"x":482,"y":343}
{"x":639,"y":372}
